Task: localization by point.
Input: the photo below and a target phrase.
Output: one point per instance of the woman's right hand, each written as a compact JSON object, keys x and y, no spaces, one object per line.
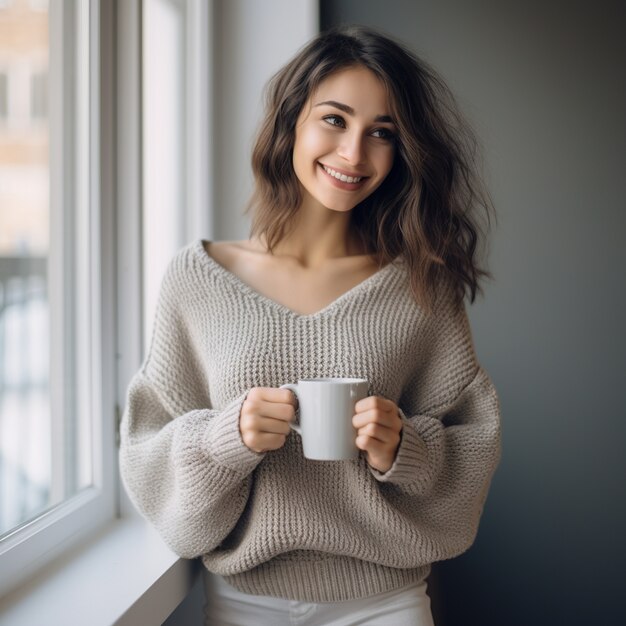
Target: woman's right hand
{"x":265,"y":416}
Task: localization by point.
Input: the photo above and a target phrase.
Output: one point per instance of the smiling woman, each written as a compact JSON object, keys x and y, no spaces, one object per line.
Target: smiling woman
{"x":379,"y":102}
{"x":348,"y":152}
{"x":357,"y":165}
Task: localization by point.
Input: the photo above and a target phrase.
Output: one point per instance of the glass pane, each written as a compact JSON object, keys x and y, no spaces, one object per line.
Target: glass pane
{"x":39,"y":437}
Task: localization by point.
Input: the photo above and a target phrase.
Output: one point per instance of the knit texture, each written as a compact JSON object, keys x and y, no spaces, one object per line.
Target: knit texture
{"x":276,"y":523}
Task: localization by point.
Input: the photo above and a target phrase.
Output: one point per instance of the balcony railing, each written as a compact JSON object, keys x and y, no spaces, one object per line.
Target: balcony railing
{"x":25,"y":425}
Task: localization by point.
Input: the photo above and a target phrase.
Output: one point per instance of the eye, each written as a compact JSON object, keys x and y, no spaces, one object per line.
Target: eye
{"x":334,"y":120}
{"x":383,"y":133}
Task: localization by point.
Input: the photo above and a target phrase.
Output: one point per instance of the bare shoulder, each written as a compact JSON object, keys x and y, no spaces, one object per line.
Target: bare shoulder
{"x":230,"y":254}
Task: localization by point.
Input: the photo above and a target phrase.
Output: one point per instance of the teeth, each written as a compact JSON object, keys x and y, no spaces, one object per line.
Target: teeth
{"x":342,"y":177}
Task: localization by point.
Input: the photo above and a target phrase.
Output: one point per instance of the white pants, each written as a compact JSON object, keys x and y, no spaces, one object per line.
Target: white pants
{"x":226,"y":606}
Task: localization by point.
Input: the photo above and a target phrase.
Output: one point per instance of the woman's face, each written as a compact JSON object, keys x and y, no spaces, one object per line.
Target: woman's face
{"x":344,"y":145}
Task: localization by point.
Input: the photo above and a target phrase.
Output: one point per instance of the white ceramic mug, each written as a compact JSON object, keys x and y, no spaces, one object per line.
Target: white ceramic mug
{"x":326,"y":409}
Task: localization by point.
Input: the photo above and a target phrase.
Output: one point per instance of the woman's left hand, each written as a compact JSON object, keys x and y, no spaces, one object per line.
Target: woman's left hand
{"x":378,"y":425}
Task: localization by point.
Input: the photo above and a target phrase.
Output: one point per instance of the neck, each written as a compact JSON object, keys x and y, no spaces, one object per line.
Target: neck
{"x":317,"y":239}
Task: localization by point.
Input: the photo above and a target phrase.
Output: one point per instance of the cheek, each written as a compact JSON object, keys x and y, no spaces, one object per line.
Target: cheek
{"x":304,"y":156}
{"x":311,"y":144}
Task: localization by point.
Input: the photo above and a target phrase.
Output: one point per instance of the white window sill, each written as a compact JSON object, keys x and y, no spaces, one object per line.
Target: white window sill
{"x":125,"y":576}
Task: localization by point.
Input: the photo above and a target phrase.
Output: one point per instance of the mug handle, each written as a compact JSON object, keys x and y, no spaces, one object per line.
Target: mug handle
{"x":293,"y":425}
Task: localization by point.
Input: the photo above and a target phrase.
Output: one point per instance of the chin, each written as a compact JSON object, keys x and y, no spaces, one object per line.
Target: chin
{"x":339,"y":208}
{"x":339,"y":205}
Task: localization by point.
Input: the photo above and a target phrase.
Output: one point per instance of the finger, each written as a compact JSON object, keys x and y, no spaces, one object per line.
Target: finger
{"x":285,"y":396}
{"x":275,"y":410}
{"x":278,"y":410}
{"x":375,"y":402}
{"x":274,"y":395}
{"x":252,"y":420}
{"x":372,"y":446}
{"x":374,"y":416}
{"x":379,"y":433}
{"x":271,"y":425}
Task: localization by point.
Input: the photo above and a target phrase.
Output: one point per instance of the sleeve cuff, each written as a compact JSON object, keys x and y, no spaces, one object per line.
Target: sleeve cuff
{"x":224,"y":443}
{"x":412,"y":465}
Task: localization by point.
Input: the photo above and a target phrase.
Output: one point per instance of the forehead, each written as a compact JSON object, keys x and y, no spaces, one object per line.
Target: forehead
{"x":357,"y":87}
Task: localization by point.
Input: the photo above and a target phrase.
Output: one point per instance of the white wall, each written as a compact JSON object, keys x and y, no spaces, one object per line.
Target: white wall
{"x":164,"y":147}
{"x":253,"y":40}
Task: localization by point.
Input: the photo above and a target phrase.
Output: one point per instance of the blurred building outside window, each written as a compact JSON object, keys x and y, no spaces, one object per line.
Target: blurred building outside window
{"x":38,"y":443}
{"x":39,"y":96}
{"x":24,"y":214}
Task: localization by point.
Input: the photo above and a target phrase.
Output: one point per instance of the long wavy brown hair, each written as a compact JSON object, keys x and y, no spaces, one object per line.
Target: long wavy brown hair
{"x":428,"y":208}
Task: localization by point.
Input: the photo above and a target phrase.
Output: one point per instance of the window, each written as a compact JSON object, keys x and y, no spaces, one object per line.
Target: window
{"x":164,"y":167}
{"x":27,"y":484}
{"x":4,"y":96}
{"x":39,"y":95}
{"x":176,"y":172}
{"x":56,"y":424}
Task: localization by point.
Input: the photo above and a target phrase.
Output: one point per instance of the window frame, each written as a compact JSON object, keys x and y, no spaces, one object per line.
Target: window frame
{"x":4,"y":115}
{"x":36,"y":543}
{"x":152,"y":580}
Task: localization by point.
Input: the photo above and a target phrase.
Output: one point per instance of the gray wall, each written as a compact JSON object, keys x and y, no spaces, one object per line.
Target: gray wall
{"x":545,"y":86}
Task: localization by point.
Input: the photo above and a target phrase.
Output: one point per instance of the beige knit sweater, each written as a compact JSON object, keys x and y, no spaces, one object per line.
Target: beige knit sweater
{"x":276,"y":523}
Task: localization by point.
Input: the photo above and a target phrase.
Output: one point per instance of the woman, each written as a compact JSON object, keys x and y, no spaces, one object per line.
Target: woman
{"x":362,"y":249}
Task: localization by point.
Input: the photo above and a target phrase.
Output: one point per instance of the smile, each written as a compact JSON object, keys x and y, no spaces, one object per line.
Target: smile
{"x":342,"y":177}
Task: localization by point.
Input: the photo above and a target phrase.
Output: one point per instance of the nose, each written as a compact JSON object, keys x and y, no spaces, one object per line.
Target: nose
{"x":351,"y":148}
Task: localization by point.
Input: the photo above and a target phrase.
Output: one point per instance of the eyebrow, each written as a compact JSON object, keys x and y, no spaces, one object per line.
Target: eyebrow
{"x":350,"y":111}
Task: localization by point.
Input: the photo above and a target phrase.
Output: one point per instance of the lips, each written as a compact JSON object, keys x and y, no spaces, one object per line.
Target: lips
{"x":342,"y":184}
{"x":343,"y":175}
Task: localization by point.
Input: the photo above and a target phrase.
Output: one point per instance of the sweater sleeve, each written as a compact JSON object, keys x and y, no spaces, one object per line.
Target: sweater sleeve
{"x":182,"y":462}
{"x":450,"y":440}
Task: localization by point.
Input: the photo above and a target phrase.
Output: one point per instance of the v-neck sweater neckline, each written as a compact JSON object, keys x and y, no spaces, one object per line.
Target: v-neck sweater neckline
{"x":232,"y":278}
